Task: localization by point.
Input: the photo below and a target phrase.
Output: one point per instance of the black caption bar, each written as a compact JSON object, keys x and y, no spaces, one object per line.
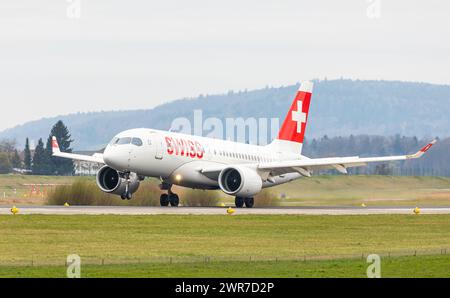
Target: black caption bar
{"x":168,"y":287}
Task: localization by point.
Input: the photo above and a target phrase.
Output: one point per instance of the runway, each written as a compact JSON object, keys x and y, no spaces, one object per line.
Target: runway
{"x":131,"y":210}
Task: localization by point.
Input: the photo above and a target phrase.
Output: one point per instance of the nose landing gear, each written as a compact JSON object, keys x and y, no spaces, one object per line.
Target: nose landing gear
{"x":127,"y":195}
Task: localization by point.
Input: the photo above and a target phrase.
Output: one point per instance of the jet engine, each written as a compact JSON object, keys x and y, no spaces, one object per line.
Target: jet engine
{"x":110,"y":181}
{"x":240,"y":181}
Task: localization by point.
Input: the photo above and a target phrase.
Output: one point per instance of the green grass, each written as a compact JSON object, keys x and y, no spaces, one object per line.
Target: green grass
{"x":48,"y":239}
{"x":371,"y":190}
{"x":419,"y":266}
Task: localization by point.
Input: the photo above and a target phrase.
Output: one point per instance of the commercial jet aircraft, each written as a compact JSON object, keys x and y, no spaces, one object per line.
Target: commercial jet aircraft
{"x":238,"y":169}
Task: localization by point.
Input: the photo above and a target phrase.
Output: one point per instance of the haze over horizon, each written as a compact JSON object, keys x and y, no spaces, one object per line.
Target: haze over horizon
{"x":113,"y":56}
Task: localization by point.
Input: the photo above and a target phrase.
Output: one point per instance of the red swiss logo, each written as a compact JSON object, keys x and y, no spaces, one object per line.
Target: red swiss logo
{"x":184,"y":147}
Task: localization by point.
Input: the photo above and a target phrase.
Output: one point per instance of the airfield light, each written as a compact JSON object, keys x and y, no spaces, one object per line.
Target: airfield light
{"x":230,"y":211}
{"x":416,"y":210}
{"x":14,"y":210}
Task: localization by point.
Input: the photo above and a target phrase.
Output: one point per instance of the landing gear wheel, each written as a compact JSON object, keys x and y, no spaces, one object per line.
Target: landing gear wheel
{"x":164,"y":200}
{"x":174,"y":200}
{"x":126,"y":196}
{"x":249,"y":202}
{"x":239,"y":202}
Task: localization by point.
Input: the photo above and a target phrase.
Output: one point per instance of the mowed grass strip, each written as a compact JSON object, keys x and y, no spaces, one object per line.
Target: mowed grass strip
{"x":419,"y":266}
{"x":48,"y":239}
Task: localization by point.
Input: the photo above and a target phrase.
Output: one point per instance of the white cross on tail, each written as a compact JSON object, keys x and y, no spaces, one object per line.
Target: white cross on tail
{"x":298,"y":116}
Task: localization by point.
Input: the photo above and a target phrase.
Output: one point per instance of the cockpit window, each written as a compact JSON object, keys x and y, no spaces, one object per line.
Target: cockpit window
{"x":123,"y":141}
{"x":114,"y":141}
{"x":136,"y":142}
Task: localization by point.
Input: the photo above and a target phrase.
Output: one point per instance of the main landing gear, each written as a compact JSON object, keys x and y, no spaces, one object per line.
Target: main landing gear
{"x":168,"y":198}
{"x":240,"y":202}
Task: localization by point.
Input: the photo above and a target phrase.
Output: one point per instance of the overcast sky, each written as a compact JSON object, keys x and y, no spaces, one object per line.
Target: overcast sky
{"x":116,"y":55}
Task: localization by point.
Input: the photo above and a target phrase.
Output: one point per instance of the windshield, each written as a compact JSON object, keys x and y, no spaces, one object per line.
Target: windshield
{"x":126,"y":141}
{"x":123,"y":141}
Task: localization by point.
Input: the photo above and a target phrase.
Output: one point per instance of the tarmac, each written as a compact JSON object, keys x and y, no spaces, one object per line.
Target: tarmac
{"x":138,"y":210}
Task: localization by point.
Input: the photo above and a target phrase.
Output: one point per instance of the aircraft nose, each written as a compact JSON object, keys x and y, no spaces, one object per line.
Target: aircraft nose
{"x":116,"y":158}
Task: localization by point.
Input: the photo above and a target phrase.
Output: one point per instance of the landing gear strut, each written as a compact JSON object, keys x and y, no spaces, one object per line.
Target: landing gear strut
{"x":127,"y":194}
{"x":240,"y":201}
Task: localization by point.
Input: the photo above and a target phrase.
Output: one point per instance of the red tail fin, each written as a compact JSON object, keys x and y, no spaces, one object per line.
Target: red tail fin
{"x":294,"y":124}
{"x":292,"y":132}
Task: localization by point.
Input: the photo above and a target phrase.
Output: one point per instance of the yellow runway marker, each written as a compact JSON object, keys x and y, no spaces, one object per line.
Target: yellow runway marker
{"x":230,"y":211}
{"x":14,"y":210}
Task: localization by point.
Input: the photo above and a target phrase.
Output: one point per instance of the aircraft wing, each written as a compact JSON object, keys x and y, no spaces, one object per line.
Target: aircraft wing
{"x":96,"y":158}
{"x":304,"y":166}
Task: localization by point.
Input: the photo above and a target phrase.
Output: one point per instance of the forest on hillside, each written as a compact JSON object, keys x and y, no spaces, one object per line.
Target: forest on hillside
{"x":338,"y":108}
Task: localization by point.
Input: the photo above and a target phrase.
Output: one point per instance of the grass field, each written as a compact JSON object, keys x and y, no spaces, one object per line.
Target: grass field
{"x":15,"y":189}
{"x":315,"y":191}
{"x":419,"y":266}
{"x":122,"y":242}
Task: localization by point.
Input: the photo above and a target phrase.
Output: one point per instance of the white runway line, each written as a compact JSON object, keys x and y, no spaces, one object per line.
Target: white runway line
{"x":132,"y":210}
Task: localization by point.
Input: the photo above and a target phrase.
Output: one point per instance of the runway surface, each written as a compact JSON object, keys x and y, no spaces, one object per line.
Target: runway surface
{"x":131,"y":210}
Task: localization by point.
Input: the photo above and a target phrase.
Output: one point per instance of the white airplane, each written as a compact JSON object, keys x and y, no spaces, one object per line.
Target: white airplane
{"x":240,"y":170}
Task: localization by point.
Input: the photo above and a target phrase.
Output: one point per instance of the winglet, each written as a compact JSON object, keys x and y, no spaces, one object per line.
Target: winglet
{"x":55,"y":146}
{"x":423,"y":150}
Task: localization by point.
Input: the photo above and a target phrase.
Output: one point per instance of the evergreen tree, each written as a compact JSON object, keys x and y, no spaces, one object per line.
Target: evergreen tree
{"x":27,"y":155}
{"x":16,"y":161}
{"x":60,"y":166}
{"x":5,"y":164}
{"x":40,"y":166}
{"x":51,"y":166}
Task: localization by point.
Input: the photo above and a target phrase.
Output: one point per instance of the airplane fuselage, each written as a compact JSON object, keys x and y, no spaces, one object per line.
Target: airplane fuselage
{"x":178,"y":158}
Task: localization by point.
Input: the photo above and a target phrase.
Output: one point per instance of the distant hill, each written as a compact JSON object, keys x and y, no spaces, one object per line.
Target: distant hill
{"x":339,"y":108}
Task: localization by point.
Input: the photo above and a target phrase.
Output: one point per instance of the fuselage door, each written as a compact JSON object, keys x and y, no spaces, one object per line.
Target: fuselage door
{"x":159,"y":148}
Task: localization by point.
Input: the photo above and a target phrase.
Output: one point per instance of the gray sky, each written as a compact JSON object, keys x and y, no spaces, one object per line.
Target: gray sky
{"x":137,"y":54}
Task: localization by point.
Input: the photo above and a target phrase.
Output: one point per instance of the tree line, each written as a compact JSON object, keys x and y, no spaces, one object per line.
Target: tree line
{"x":435,"y":163}
{"x":40,"y":160}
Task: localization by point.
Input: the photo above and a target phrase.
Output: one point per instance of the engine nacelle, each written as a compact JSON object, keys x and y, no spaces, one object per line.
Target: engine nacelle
{"x":240,"y":182}
{"x":109,"y":181}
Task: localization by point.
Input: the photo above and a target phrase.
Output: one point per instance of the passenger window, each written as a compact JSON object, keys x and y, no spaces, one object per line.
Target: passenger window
{"x":136,"y":142}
